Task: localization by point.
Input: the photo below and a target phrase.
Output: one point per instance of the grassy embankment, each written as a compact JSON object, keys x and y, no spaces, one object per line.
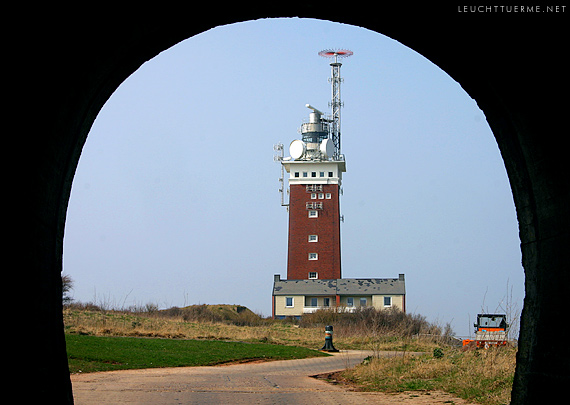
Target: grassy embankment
{"x":367,"y":330}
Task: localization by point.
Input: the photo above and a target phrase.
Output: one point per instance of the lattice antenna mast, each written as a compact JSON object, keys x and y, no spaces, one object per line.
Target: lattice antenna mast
{"x":335,"y":103}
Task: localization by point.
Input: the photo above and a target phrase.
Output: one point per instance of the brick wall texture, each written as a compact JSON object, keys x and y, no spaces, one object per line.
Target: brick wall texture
{"x":326,"y":226}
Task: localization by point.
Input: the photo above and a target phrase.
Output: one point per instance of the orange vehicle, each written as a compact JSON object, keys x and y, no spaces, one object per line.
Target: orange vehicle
{"x":490,"y":330}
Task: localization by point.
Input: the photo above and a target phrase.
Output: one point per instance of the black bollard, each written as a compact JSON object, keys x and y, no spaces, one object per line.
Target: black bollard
{"x":328,"y":347}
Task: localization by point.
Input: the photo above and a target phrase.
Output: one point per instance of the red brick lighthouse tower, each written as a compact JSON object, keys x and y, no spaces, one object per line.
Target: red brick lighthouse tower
{"x":315,"y":168}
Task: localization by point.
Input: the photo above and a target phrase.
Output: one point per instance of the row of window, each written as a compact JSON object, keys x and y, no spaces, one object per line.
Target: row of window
{"x":320,"y":196}
{"x":313,"y":174}
{"x":290,"y":301}
{"x":314,"y":205}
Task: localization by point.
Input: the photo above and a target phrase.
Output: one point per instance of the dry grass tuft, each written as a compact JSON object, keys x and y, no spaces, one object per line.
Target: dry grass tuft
{"x":483,"y":376}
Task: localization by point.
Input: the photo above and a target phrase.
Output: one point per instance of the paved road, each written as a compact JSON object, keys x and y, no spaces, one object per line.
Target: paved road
{"x":277,"y":382}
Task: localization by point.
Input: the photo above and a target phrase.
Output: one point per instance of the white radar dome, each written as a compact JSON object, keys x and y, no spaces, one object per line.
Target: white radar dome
{"x":327,"y":148}
{"x":297,"y":149}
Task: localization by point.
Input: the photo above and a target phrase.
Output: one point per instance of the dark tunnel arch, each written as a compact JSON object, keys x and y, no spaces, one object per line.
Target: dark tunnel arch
{"x":510,"y":70}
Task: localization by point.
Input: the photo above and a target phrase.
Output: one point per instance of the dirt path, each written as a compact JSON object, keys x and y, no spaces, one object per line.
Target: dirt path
{"x":276,"y":382}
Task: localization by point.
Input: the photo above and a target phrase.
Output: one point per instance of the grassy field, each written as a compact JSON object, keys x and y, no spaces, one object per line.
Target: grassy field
{"x":200,"y":335}
{"x":117,"y":323}
{"x":97,"y":353}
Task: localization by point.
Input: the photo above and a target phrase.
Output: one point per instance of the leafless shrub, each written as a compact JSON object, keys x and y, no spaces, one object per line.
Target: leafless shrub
{"x":369,"y":320}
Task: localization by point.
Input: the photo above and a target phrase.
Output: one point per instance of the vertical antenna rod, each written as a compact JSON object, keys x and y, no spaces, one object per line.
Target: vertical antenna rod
{"x":335,"y":103}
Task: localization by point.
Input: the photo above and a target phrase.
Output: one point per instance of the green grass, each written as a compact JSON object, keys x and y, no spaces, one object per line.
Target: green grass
{"x":95,"y":353}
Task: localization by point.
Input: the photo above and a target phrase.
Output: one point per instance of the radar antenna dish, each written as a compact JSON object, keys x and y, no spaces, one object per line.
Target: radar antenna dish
{"x":341,"y":53}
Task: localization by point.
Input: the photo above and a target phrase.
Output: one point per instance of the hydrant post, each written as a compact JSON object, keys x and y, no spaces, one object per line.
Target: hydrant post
{"x":328,"y":347}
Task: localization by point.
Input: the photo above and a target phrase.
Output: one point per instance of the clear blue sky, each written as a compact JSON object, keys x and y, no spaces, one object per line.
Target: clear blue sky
{"x":175,"y":200}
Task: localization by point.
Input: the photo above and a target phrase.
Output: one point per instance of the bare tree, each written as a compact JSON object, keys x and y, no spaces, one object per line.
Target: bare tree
{"x":67,"y":286}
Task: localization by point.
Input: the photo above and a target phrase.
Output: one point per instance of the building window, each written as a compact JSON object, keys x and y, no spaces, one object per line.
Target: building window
{"x":313,"y":238}
{"x":328,"y":196}
{"x":363,"y":302}
{"x":304,"y":174}
{"x":314,"y":302}
{"x":313,"y":214}
{"x":313,"y":174}
{"x":330,"y":174}
{"x":289,"y":302}
{"x":350,"y":302}
{"x":326,"y":302}
{"x":296,"y":174}
{"x":313,"y":256}
{"x":313,"y":275}
{"x":387,"y":301}
{"x":322,"y":174}
{"x":313,"y":196}
{"x":321,"y":196}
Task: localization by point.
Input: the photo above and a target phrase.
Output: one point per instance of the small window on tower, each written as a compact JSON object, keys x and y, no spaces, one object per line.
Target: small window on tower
{"x":313,"y":214}
{"x":313,"y":196}
{"x":328,"y":196}
{"x":313,"y":238}
{"x":313,"y":275}
{"x":313,"y":256}
{"x":321,"y":196}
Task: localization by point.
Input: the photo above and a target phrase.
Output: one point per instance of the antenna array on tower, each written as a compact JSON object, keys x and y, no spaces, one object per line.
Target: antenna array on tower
{"x":320,"y":137}
{"x":335,"y":103}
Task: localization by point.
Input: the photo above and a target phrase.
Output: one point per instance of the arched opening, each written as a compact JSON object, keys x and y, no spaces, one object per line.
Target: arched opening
{"x":176,"y":185}
{"x":84,"y":64}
